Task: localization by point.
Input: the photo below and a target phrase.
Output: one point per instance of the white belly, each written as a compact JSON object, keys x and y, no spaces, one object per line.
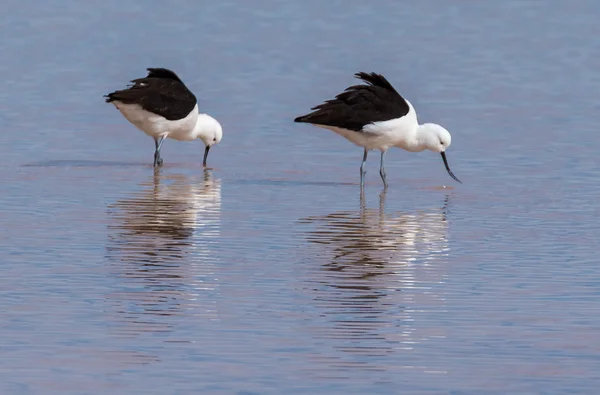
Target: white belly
{"x":157,"y":126}
{"x":370,"y":141}
{"x":382,"y":135}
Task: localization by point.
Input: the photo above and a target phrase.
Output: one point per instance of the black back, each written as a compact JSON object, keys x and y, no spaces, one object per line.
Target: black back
{"x":360,"y":105}
{"x":160,"y":92}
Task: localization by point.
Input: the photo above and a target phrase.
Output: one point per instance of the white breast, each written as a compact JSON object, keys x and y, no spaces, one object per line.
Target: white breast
{"x":399,"y":132}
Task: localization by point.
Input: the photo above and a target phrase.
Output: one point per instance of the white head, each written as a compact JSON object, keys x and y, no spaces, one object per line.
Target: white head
{"x":437,"y":139}
{"x":208,"y":130}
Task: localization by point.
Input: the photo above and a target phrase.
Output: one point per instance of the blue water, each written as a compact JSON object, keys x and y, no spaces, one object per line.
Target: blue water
{"x":271,"y":274}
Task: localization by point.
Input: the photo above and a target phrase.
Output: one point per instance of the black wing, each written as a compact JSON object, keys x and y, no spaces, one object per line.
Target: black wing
{"x":360,"y":105}
{"x":159,"y":72}
{"x":160,"y":92}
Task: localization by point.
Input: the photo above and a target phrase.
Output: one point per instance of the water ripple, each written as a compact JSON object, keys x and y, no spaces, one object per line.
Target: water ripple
{"x":161,"y":248}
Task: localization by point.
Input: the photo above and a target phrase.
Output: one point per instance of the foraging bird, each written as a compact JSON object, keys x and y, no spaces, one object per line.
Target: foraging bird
{"x":376,"y":116}
{"x":161,"y":106}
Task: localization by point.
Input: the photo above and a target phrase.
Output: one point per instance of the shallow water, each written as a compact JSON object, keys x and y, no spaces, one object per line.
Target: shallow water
{"x":270,"y":273}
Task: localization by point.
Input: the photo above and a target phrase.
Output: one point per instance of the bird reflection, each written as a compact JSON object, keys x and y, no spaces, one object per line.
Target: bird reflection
{"x":377,"y":278}
{"x":162,"y":241}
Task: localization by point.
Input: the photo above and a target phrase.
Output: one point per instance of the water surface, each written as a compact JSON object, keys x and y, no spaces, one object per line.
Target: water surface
{"x":271,"y":273}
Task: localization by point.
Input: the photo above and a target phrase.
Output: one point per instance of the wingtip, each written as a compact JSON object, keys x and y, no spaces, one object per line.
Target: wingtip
{"x":161,"y":72}
{"x":376,"y":79}
{"x":155,"y":69}
{"x":365,"y":76}
{"x":359,"y":75}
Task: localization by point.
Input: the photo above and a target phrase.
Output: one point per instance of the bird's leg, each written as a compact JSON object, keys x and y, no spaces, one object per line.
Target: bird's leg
{"x":362,"y":169}
{"x":382,"y":170}
{"x":157,"y":144}
{"x":382,"y":204}
{"x":363,"y":204}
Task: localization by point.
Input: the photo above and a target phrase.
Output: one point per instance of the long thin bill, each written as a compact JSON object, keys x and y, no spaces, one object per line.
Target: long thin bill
{"x":448,"y":167}
{"x":206,"y":156}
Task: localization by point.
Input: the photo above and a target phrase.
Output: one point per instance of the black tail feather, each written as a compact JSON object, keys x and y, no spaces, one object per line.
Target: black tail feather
{"x":109,"y":97}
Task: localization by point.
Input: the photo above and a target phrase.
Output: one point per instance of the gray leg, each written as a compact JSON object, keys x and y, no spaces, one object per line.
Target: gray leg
{"x":363,"y":203}
{"x":362,"y":169}
{"x":157,"y":144}
{"x":382,"y":170}
{"x":382,"y":204}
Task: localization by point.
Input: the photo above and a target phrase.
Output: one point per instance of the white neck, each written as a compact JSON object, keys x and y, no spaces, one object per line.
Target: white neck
{"x":423,"y":137}
{"x":416,"y":141}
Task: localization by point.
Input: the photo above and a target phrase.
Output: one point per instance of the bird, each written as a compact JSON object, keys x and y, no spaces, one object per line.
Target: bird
{"x":162,"y":106}
{"x":373,"y":115}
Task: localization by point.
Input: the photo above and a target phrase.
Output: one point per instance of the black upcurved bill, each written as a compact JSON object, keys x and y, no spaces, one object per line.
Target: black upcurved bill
{"x":206,"y":156}
{"x":448,"y":168}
